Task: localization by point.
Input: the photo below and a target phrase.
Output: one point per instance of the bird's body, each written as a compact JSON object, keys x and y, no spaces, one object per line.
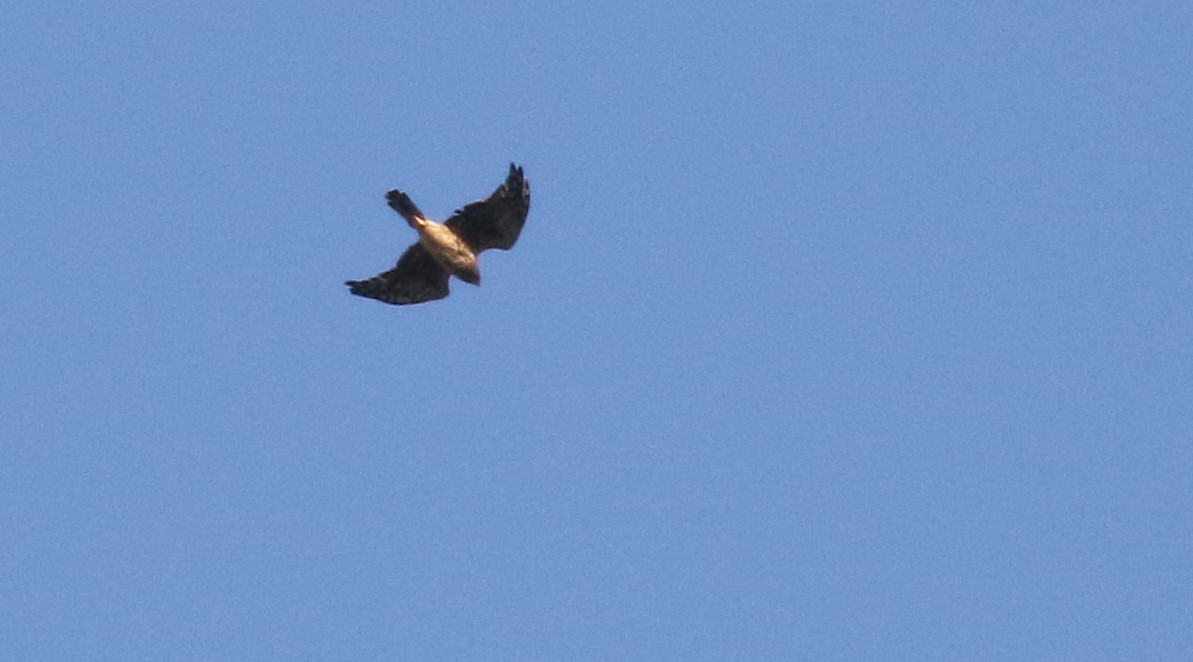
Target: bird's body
{"x":449,"y":248}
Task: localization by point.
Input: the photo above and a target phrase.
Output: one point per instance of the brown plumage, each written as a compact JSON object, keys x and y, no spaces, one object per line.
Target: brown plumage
{"x":449,"y":248}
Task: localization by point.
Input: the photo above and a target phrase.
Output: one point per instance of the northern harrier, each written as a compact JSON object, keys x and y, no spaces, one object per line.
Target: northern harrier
{"x":449,"y":248}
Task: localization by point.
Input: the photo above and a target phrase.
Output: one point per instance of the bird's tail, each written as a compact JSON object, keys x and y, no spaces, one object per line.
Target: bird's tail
{"x":401,"y":203}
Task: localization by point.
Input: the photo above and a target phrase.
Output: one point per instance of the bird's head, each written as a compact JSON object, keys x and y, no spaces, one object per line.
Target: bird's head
{"x":470,"y":276}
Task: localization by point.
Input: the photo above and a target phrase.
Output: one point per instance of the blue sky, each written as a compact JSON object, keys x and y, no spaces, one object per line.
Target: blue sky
{"x":837,"y":331}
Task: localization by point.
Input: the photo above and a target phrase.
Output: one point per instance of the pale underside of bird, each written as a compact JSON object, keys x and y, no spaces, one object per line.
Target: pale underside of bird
{"x":449,"y":248}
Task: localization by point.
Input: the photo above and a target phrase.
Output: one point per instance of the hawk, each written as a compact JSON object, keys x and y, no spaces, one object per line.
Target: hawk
{"x":449,"y":248}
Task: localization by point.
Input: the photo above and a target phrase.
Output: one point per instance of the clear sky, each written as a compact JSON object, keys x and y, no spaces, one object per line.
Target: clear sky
{"x":838,"y":331}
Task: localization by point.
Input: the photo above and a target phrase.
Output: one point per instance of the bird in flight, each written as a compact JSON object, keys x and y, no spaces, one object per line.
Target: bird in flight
{"x":449,"y":248}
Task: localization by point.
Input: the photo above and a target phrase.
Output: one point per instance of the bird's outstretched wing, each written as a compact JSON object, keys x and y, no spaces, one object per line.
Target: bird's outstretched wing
{"x":416,"y":278}
{"x":496,"y":221}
